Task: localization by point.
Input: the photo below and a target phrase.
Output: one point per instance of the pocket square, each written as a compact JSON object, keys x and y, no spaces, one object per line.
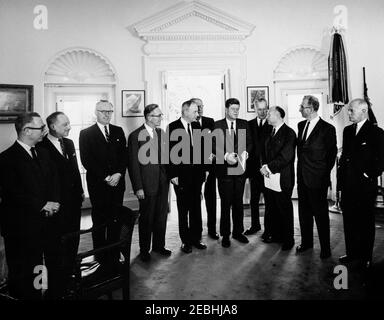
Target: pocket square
{"x":364,"y":143}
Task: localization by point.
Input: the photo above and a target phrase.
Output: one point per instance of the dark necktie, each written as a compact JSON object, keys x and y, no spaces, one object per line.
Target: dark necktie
{"x":34,"y":154}
{"x":62,"y":146}
{"x":355,"y":128}
{"x":232,"y":130}
{"x":190,"y":134}
{"x":306,"y":131}
{"x":273,"y":132}
{"x":106,"y":133}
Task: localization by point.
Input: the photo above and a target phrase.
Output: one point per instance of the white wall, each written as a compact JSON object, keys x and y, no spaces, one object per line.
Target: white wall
{"x":103,"y":25}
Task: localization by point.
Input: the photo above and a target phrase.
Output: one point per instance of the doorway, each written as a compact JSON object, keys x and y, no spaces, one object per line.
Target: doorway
{"x":180,"y":86}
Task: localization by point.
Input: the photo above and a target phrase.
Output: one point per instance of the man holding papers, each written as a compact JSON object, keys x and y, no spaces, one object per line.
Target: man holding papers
{"x":278,"y":157}
{"x":234,"y":145}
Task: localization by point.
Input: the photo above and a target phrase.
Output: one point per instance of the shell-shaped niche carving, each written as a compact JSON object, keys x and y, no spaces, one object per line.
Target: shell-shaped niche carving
{"x":302,"y":62}
{"x":80,"y":66}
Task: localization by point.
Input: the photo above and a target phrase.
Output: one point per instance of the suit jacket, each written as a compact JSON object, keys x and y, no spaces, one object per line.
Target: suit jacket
{"x":151,"y":176}
{"x":71,"y":189}
{"x":225,"y":143}
{"x":362,"y":158}
{"x":26,"y":187}
{"x":258,"y":140}
{"x":185,"y":172}
{"x":101,"y":158}
{"x":207,"y":123}
{"x":279,"y":155}
{"x":316,"y":155}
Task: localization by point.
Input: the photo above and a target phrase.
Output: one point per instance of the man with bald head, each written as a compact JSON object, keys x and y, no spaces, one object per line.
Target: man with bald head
{"x":103,"y":155}
{"x":278,"y":157}
{"x":62,"y":152}
{"x":30,"y":202}
{"x":361,"y":162}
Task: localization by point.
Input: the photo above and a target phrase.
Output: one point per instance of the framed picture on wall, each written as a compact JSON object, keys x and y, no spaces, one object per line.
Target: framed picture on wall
{"x":132,"y":103}
{"x":14,"y":100}
{"x":254,"y":93}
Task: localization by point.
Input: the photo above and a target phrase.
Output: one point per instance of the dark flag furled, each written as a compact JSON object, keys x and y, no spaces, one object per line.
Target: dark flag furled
{"x":337,"y":73}
{"x":371,"y":115}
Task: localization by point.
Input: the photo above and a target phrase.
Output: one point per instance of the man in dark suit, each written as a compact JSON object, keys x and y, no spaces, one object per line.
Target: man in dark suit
{"x":187,"y":176}
{"x":260,"y":129}
{"x":210,"y":182}
{"x":233,"y":144}
{"x":278,"y":157}
{"x":62,"y":152}
{"x":361,"y":162}
{"x":316,"y":152}
{"x":149,"y":181}
{"x":30,"y":197}
{"x":103,"y":155}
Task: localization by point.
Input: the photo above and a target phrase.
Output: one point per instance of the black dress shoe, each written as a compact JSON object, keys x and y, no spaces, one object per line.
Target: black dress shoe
{"x":270,"y":239}
{"x":200,"y":245}
{"x":287,"y":246}
{"x":225,"y":242}
{"x":163,"y":251}
{"x":252,"y":230}
{"x":186,"y":248}
{"x":265,"y":235}
{"x":345,"y":259}
{"x":241,"y":238}
{"x":213,"y":235}
{"x":325,"y":254}
{"x":301,"y":248}
{"x":144,"y":256}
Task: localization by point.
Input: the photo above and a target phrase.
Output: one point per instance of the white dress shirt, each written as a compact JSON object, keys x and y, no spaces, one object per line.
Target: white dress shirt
{"x":149,"y":129}
{"x":26,"y":148}
{"x":359,"y":125}
{"x":229,"y":122}
{"x":55,"y":141}
{"x":311,"y":125}
{"x":101,"y":127}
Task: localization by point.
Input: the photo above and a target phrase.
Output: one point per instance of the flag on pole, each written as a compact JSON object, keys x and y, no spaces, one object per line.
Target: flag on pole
{"x":337,"y":74}
{"x":371,"y":115}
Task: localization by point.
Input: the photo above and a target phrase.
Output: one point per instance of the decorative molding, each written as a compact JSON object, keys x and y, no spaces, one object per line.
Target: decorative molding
{"x":175,"y":24}
{"x":194,"y":48}
{"x":79,"y":65}
{"x":302,"y":62}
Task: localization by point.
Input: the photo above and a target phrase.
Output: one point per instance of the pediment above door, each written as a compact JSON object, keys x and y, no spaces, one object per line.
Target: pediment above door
{"x":192,"y":20}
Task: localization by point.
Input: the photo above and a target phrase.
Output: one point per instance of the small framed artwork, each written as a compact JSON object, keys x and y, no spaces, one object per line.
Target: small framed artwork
{"x":255,"y":93}
{"x":132,"y":103}
{"x":14,"y":100}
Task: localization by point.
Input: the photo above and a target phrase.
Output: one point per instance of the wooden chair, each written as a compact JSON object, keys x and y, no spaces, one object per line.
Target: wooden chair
{"x":88,"y":285}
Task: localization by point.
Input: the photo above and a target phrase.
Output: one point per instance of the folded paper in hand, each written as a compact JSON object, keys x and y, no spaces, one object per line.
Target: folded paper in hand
{"x":273,"y":182}
{"x":243,"y":159}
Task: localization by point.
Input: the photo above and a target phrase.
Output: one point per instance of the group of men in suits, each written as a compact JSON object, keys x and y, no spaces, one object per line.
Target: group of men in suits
{"x":42,"y":192}
{"x":41,"y":200}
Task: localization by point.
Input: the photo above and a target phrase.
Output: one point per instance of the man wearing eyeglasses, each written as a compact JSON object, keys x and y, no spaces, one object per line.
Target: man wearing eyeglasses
{"x":316,"y":153}
{"x":103,"y":155}
{"x":149,"y":182}
{"x":62,"y":152}
{"x":260,"y":130}
{"x":30,"y":199}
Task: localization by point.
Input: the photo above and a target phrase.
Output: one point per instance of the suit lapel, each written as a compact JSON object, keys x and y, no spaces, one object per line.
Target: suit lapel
{"x":314,"y":130}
